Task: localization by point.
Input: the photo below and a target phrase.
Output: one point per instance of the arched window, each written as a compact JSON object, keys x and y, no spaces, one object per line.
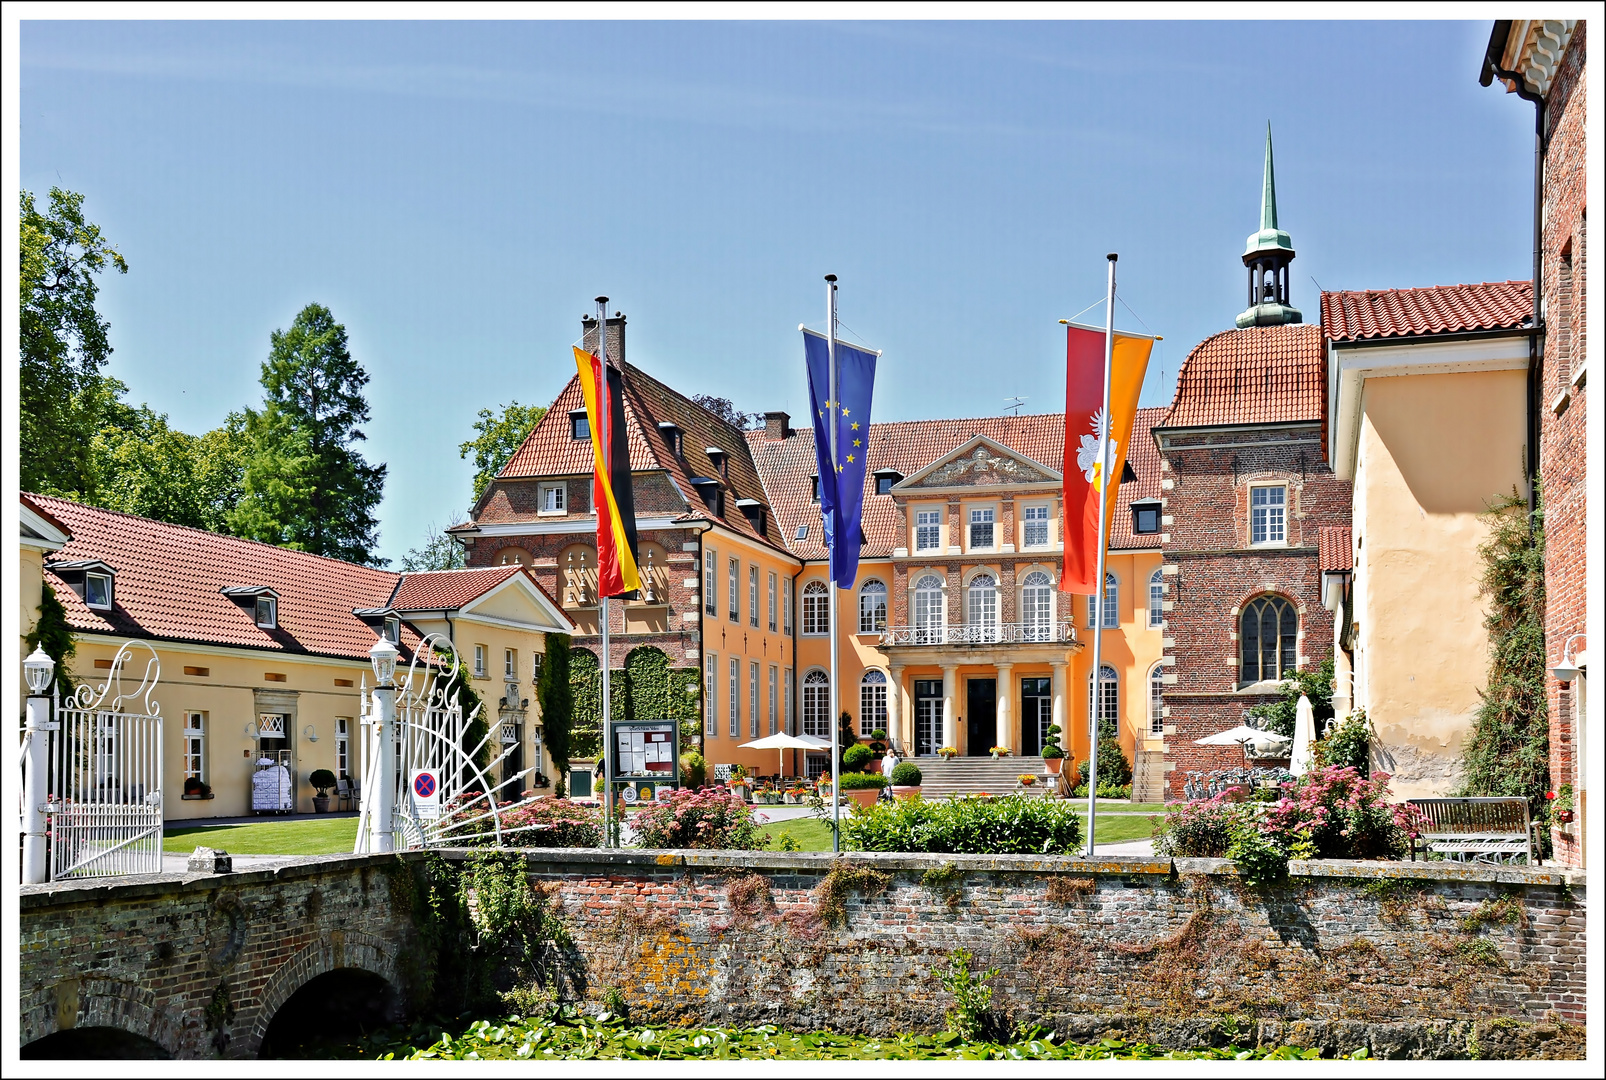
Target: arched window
{"x":872,"y":703}
{"x":981,"y":607}
{"x":817,"y":705}
{"x":929,"y":615}
{"x":1112,"y":604}
{"x":1109,"y":701}
{"x":1266,"y":632}
{"x":816,"y":608}
{"x":1156,"y":702}
{"x":1156,"y":598}
{"x":1037,"y":607}
{"x":872,"y":607}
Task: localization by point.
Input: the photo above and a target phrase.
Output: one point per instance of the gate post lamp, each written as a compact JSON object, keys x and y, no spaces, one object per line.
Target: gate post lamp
{"x":382,"y":831}
{"x":39,"y":669}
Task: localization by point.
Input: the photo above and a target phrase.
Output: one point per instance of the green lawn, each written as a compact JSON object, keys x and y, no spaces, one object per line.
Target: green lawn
{"x":811,"y":835}
{"x":1120,"y":828}
{"x":331,"y":836}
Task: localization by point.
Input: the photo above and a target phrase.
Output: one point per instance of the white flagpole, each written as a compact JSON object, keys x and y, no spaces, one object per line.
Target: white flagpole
{"x":832,"y":409}
{"x":603,"y":415}
{"x":1105,"y":480}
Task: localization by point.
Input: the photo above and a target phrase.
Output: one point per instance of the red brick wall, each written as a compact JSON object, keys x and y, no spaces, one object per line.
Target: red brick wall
{"x":1561,"y":440}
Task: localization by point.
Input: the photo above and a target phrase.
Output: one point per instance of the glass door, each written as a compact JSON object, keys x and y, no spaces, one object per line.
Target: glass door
{"x":1036,"y":713}
{"x":928,"y":716}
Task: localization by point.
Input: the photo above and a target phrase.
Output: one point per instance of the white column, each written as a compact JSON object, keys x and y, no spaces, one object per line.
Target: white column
{"x":381,"y":826}
{"x":34,"y":870}
{"x":895,"y":712}
{"x":949,"y":677}
{"x":1006,"y":698}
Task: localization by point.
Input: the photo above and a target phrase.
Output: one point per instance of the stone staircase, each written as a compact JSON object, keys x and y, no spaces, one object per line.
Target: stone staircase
{"x":1148,"y":777}
{"x":971,"y":775}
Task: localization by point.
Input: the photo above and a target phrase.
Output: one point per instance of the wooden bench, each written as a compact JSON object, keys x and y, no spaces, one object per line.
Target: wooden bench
{"x":1481,"y":829}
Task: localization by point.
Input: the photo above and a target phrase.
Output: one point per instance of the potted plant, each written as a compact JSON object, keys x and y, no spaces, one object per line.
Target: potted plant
{"x":1563,"y":805}
{"x":858,"y":758}
{"x":947,"y":753}
{"x":906,"y":780}
{"x":1027,"y":779}
{"x":878,"y":742}
{"x":863,"y":788}
{"x":322,"y":780}
{"x":1053,"y":754}
{"x":738,"y":782}
{"x":196,"y":788}
{"x":998,"y":752}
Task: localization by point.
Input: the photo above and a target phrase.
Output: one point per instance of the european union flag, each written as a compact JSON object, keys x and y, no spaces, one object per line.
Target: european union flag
{"x":841,"y":480}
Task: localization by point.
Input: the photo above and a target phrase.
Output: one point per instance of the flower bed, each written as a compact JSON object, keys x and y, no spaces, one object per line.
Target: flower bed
{"x":712,"y":818}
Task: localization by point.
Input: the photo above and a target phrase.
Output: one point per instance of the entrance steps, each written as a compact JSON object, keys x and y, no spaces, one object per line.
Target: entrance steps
{"x":1148,"y":777}
{"x":974,"y":775}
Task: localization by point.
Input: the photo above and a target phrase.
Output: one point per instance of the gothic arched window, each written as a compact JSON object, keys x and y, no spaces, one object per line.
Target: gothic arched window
{"x":1267,"y":633}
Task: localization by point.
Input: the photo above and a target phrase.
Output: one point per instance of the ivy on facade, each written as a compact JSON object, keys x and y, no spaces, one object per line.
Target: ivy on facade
{"x":646,"y":688}
{"x":54,"y":635}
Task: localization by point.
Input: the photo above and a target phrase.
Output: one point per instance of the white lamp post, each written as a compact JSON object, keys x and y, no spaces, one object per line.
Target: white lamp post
{"x":39,"y":670}
{"x":382,"y":834}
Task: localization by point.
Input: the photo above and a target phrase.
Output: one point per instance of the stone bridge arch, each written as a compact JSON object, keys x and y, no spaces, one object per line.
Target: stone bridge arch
{"x":90,"y":1003}
{"x":335,"y":950}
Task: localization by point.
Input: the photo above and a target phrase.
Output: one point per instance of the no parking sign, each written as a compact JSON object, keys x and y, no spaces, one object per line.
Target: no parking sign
{"x":425,"y":789}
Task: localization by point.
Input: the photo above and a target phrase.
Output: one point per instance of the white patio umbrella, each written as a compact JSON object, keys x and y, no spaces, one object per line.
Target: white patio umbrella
{"x":1236,"y":736}
{"x":781,"y":742}
{"x":1304,"y":736}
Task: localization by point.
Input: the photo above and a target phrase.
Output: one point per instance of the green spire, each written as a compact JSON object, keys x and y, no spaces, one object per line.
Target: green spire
{"x":1268,"y":201}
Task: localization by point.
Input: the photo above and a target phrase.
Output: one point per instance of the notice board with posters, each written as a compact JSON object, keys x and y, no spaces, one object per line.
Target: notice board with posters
{"x":647,"y":750}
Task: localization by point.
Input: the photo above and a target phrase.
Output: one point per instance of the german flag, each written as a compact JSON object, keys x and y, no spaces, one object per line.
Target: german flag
{"x":603,"y":387}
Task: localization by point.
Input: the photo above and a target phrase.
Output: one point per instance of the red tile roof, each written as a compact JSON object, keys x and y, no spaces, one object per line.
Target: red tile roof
{"x":1261,"y":375}
{"x":788,"y":465}
{"x":1333,"y":548}
{"x":169,"y":579}
{"x":1440,"y":309}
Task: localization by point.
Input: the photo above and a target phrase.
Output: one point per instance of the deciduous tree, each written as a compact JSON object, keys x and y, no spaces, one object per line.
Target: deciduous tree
{"x":149,"y":468}
{"x":438,"y":552}
{"x":496,"y":440}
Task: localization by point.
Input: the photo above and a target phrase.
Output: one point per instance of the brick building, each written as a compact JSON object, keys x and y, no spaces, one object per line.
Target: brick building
{"x":1544,"y":62}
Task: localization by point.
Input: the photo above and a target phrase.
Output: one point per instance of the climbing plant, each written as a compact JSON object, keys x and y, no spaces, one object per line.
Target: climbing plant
{"x":53,"y":634}
{"x":1508,"y":752}
{"x":555,"y":694}
{"x":1315,"y":683}
{"x":646,"y":688}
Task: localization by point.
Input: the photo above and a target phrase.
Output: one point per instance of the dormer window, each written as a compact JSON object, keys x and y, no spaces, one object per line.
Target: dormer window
{"x":1145,"y":517}
{"x":260,"y":602}
{"x":579,"y":428}
{"x":708,"y":490}
{"x":98,"y":591}
{"x":753,"y":510}
{"x":814,"y":488}
{"x":267,"y":612}
{"x":885,"y":479}
{"x":393,"y":631}
{"x":671,"y":433}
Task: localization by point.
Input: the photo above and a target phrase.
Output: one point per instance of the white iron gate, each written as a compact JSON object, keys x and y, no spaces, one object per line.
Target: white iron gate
{"x":442,"y":796}
{"x":105,"y":784}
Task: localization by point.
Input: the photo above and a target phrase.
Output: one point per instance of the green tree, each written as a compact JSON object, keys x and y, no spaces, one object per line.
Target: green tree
{"x":556,"y":698}
{"x":1315,"y":683}
{"x":147,"y":467}
{"x":497,"y":439}
{"x":305,"y":486}
{"x":64,"y":344}
{"x":438,"y":552}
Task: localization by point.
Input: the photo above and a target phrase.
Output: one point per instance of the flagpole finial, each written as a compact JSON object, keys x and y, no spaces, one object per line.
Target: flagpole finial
{"x":831,"y":278}
{"x":1112,"y":256}
{"x":602,"y":300}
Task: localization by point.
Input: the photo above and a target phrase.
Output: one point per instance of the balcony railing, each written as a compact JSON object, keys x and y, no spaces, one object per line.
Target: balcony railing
{"x":981,"y":634}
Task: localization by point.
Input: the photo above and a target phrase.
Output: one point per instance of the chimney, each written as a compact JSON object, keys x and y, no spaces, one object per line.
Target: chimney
{"x":777,"y":425}
{"x":616,"y":336}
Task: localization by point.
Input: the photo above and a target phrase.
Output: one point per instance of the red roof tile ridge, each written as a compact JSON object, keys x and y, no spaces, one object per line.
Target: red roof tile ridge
{"x":660,"y":384}
{"x":226,"y":537}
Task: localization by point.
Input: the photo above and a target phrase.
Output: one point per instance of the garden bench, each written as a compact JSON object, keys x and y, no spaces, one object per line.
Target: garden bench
{"x":1482,"y":829}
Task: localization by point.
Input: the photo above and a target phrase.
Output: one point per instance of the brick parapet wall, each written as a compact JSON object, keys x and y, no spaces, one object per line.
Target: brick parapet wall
{"x":1562,"y":442}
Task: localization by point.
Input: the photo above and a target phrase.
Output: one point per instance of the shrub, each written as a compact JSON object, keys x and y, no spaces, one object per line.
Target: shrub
{"x":693,"y":769}
{"x":1114,"y":768}
{"x":856,"y":757}
{"x":1011,"y":825}
{"x":906,"y":774}
{"x":1200,"y":829}
{"x":858,"y":781}
{"x":1336,"y":813}
{"x":323,"y":780}
{"x":1051,"y":743}
{"x":972,"y":996}
{"x":1350,"y":743}
{"x":1315,"y":683}
{"x":555,"y":823}
{"x":698,"y":819}
{"x":1261,"y":859}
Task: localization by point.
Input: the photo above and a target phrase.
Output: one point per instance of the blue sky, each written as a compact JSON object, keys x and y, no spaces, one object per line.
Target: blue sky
{"x":458,"y":192}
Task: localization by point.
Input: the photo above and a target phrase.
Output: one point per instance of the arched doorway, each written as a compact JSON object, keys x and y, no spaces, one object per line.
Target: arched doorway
{"x":337,"y":1007}
{"x":94,"y":1044}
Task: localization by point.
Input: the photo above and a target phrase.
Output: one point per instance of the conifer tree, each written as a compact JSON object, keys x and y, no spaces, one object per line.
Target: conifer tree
{"x":305,"y":485}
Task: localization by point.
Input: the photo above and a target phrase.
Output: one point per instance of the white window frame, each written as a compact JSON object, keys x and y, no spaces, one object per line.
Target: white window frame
{"x":393,"y":631}
{"x":786,"y":607}
{"x":552,"y":499}
{"x":1112,"y":696}
{"x":105,"y":580}
{"x":775,"y":684}
{"x":1156,"y":702}
{"x":932,"y":520}
{"x":1112,"y":604}
{"x":817,"y":704}
{"x":1270,"y":517}
{"x":872,"y":591}
{"x":752,"y":595}
{"x":479,"y":661}
{"x":873,"y":687}
{"x":929,"y":609}
{"x":981,"y":603}
{"x":711,"y":697}
{"x":786,"y":700}
{"x":772,"y":583}
{"x":710,"y":582}
{"x":510,"y":664}
{"x":266,"y":612}
{"x":977,"y":516}
{"x":736,"y":697}
{"x":1037,"y":603}
{"x":736,"y":590}
{"x":753,"y":689}
{"x":343,"y":747}
{"x":1035,"y":514}
{"x":194,"y":746}
{"x":816,"y":609}
{"x":1156,"y":599}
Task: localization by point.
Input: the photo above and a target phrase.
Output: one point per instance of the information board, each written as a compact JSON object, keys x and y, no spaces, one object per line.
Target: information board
{"x":647,"y":750}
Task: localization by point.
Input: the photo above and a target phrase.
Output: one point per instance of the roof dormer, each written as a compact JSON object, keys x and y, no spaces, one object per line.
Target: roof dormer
{"x":719,"y":459}
{"x":91,"y":579}
{"x":709,"y":491}
{"x":383,"y":621}
{"x":753,"y":511}
{"x":672,"y":435}
{"x":261,"y":601}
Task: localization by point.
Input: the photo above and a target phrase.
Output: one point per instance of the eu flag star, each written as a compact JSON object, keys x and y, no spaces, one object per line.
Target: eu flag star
{"x":846,"y":411}
{"x":855,"y":427}
{"x":856,"y":442}
{"x":850,"y":459}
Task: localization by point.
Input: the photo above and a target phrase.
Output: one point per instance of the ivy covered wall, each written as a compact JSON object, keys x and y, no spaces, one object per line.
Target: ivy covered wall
{"x":647,"y":688}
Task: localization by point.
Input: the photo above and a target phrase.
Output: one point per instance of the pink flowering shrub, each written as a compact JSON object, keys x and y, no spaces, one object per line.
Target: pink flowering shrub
{"x":711,"y":818}
{"x":1201,"y":829}
{"x":542,"y":823}
{"x":1336,"y":813}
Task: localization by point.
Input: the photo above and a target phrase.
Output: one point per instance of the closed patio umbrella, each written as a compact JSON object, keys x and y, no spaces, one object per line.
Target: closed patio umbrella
{"x":781,"y":742}
{"x":1304,"y":736}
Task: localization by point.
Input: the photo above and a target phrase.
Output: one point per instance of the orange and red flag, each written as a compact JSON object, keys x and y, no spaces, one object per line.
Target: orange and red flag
{"x":603,"y":388}
{"x":1084,"y":424}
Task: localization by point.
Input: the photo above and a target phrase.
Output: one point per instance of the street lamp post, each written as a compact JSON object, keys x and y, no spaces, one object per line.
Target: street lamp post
{"x":381,"y":827}
{"x":39,"y":669}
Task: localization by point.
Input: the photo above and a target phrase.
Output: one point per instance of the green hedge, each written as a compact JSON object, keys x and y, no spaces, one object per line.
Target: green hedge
{"x":1010,"y":825}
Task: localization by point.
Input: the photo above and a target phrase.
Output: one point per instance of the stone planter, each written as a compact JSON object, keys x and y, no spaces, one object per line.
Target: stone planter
{"x":865,"y":797}
{"x":320,"y":805}
{"x":906,"y":791}
{"x":1053,"y":765}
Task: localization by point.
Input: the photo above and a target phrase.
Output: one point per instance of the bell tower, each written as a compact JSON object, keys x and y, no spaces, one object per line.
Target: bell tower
{"x":1267,"y":256}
